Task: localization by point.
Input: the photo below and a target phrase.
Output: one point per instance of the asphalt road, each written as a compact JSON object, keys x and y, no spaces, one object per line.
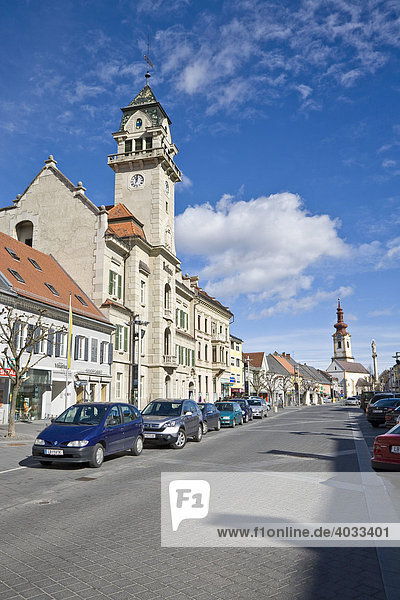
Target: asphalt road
{"x":74,"y":532}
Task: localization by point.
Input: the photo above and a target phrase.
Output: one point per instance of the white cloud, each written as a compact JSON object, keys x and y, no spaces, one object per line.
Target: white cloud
{"x":261,"y":248}
{"x":390,"y":258}
{"x":185,"y":184}
{"x":388,"y":163}
{"x":82,"y":91}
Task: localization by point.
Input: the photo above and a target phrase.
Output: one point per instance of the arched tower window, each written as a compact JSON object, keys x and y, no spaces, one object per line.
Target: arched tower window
{"x":167,"y":342}
{"x":167,"y":296}
{"x":24,"y":232}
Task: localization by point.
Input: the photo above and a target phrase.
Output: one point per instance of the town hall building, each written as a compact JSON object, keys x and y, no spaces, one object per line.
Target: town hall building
{"x":171,"y":338}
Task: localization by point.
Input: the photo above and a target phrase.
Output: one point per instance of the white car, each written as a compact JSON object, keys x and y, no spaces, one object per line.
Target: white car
{"x":352,"y":401}
{"x":259,"y":407}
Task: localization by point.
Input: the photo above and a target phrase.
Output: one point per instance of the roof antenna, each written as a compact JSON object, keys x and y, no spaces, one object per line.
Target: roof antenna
{"x":147,"y":59}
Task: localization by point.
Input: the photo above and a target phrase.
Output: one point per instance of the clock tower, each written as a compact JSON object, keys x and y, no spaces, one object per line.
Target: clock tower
{"x":145,"y":171}
{"x":341,"y":338}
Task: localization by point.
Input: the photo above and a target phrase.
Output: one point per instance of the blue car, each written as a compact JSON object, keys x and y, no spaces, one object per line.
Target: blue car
{"x":211,"y":416}
{"x":231,"y":413}
{"x":90,"y":431}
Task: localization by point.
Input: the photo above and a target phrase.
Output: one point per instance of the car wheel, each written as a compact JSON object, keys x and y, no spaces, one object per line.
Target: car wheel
{"x":97,"y":457}
{"x":233,"y":423}
{"x":218,"y":427}
{"x":205,"y":427}
{"x":137,"y":447}
{"x":180,"y":440}
{"x":246,"y":419}
{"x":45,"y":462}
{"x":374,"y":423}
{"x":241,"y":420}
{"x":199,"y":435}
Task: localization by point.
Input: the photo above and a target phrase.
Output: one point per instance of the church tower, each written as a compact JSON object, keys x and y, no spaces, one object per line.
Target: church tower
{"x":145,"y":171}
{"x":341,"y":338}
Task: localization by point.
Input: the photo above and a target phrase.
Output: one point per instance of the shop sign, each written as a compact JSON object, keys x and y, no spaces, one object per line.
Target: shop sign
{"x":7,"y":372}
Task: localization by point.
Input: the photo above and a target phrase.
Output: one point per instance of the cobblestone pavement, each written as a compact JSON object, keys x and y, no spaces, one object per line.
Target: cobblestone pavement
{"x":78,"y":533}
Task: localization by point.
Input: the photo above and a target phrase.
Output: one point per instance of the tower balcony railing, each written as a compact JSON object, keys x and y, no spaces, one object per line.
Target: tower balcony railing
{"x":144,"y":154}
{"x":218,"y":337}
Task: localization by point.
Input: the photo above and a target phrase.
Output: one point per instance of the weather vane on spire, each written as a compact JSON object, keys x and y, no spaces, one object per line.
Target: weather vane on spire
{"x":147,"y":59}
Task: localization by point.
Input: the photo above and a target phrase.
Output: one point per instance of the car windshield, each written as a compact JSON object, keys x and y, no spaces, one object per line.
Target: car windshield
{"x":201,"y":407}
{"x":254,"y":402}
{"x":224,"y":406}
{"x":82,"y":414}
{"x":241,"y":403}
{"x":163,"y":409}
{"x":385,"y":403}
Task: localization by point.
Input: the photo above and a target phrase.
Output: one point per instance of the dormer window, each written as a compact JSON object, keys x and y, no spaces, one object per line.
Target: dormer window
{"x":149,"y":143}
{"x":35,"y":264}
{"x":12,"y":253}
{"x":138,"y":144}
{"x":17,"y":276}
{"x":52,"y":289}
{"x":128,"y":145}
{"x":81,"y":300}
{"x":139,"y":123}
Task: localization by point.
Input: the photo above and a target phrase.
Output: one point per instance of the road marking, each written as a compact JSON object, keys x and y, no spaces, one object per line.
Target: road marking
{"x":16,"y":469}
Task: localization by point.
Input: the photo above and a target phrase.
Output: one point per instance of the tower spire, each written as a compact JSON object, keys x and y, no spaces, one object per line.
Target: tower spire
{"x":148,"y":61}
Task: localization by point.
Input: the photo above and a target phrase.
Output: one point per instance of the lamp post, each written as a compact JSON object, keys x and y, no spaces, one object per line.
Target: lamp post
{"x":140,"y":335}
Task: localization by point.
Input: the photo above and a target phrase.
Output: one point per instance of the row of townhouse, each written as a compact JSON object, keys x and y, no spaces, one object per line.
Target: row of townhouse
{"x":168,"y":337}
{"x":284,"y":381}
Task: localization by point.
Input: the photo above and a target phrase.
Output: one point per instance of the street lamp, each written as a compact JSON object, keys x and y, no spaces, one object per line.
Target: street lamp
{"x":140,"y":335}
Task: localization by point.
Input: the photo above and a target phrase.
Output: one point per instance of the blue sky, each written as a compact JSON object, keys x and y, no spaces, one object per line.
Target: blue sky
{"x":286,"y":116}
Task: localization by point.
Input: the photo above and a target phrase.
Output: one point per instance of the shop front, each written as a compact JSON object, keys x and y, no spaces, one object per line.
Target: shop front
{"x":31,"y":401}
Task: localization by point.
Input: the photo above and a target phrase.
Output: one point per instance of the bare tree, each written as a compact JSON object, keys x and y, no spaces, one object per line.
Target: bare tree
{"x":306,"y":385}
{"x":257,"y":381}
{"x":286,"y":384}
{"x":20,"y":335}
{"x":271,"y":384}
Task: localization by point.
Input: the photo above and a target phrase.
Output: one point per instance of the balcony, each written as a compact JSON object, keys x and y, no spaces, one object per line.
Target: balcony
{"x":218,"y":337}
{"x":219,"y":366}
{"x":167,"y":314}
{"x":145,"y":155}
{"x":170,"y":360}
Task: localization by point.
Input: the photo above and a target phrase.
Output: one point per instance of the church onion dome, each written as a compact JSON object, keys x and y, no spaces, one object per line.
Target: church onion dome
{"x":340,"y":326}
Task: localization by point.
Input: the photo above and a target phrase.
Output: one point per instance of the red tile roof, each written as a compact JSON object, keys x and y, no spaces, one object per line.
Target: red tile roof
{"x":35,"y":280}
{"x":122,"y":223}
{"x":285,"y":363}
{"x":256,"y":358}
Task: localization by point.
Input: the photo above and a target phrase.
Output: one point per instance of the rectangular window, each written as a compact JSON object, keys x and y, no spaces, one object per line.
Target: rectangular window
{"x":149,"y":143}
{"x":63,"y":345}
{"x":238,"y":362}
{"x":118,"y":386}
{"x":143,"y":293}
{"x":115,"y":284}
{"x":205,"y":325}
{"x":199,"y":384}
{"x":198,"y":323}
{"x":237,"y":348}
{"x":232,"y":345}
{"x":232,"y":362}
{"x":128,"y":146}
{"x":138,"y":144}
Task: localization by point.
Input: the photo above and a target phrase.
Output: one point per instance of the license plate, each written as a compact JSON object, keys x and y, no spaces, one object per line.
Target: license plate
{"x":395,"y":449}
{"x":54,"y":452}
{"x":150,"y":435}
{"x":376,"y":411}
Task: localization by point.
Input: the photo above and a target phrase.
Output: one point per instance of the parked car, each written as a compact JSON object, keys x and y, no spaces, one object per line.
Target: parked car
{"x":211,"y":416}
{"x":376,"y":412}
{"x":392,"y":417}
{"x":366,"y":397}
{"x":386,"y":454}
{"x":88,"y":432}
{"x":231,"y":413}
{"x":172,"y":422}
{"x":377,"y":396}
{"x":352,"y":401}
{"x":259,"y":406}
{"x":246,"y":410}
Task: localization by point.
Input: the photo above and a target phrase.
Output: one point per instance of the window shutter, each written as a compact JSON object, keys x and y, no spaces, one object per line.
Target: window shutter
{"x":76,"y":352}
{"x":50,"y":342}
{"x":86,"y":351}
{"x":110,"y":353}
{"x":36,"y":347}
{"x":119,"y":286}
{"x":125,"y":339}
{"x":29,"y":337}
{"x":102,"y":352}
{"x":58,"y":344}
{"x":16,"y":328}
{"x":117,"y":328}
{"x":94,"y":350}
{"x":110,"y":283}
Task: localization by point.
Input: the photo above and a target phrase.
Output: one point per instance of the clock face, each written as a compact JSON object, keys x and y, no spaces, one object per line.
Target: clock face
{"x":166,"y":187}
{"x":136,"y":180}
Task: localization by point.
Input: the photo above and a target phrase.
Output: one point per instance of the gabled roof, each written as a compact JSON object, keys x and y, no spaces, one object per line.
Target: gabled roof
{"x":284,"y":362}
{"x":35,"y":277}
{"x":274,"y":366}
{"x":256,"y":358}
{"x":145,"y":96}
{"x":122,"y":223}
{"x":351,"y":367}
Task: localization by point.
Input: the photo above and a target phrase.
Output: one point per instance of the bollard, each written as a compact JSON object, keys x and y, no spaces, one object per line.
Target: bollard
{"x":275,"y":409}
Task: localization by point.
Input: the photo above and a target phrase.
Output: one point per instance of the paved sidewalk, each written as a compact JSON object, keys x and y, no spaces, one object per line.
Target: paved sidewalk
{"x":25,"y":430}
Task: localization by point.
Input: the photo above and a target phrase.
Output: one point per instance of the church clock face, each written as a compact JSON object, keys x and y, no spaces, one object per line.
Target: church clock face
{"x":136,"y":181}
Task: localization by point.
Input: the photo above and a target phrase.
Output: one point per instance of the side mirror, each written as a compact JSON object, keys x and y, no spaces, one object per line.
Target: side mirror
{"x":52,"y":419}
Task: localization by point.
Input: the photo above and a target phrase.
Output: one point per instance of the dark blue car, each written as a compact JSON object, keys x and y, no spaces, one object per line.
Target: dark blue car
{"x":88,"y":432}
{"x":211,"y":416}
